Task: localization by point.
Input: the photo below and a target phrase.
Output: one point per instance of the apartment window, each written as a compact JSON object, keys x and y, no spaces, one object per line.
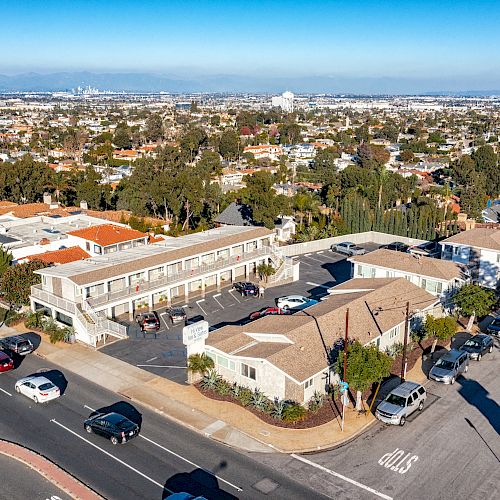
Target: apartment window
{"x":87,"y":246}
{"x":44,"y":280}
{"x":226,"y":363}
{"x":308,"y":383}
{"x":97,"y":249}
{"x":248,"y":371}
{"x":211,"y":355}
{"x":432,"y":286}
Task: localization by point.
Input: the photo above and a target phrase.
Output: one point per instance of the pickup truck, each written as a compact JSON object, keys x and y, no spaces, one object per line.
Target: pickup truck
{"x":348,"y":248}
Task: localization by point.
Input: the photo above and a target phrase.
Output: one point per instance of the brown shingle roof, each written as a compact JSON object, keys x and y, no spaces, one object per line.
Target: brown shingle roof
{"x":406,"y":262}
{"x":377,"y":309}
{"x":478,"y":237}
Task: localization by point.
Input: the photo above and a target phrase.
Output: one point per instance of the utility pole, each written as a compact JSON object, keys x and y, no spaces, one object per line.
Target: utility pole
{"x":404,"y":361}
{"x":345,"y":393}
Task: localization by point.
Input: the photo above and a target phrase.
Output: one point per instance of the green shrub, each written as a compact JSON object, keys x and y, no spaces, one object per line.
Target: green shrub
{"x":278,"y":409}
{"x":246,"y":396}
{"x":316,"y":402}
{"x":210,"y":380}
{"x":34,"y":320}
{"x":294,"y":413}
{"x":223,"y":387}
{"x":259,"y":400}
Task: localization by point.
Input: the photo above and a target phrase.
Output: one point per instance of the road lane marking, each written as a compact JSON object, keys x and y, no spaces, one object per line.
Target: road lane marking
{"x":164,"y":320}
{"x":340,"y":476}
{"x":234,"y":296}
{"x":198,"y":304}
{"x":161,"y":366}
{"x":5,"y":392}
{"x":317,"y":285}
{"x":215,"y":298}
{"x":152,"y":359}
{"x":389,"y":460}
{"x":111,"y":456}
{"x":237,"y":488}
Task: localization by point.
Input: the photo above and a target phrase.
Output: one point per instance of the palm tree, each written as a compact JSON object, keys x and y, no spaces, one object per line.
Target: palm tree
{"x":199,"y":364}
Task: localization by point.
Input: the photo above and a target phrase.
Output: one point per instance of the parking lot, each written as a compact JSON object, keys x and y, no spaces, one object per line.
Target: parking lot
{"x":164,"y":353}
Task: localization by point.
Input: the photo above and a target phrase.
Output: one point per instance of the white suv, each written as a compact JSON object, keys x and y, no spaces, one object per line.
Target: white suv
{"x":401,"y":403}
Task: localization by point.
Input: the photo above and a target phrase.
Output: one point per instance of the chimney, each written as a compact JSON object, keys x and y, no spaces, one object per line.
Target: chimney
{"x":47,"y":198}
{"x":84,"y":205}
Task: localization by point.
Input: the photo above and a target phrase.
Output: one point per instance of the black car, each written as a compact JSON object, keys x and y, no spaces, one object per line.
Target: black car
{"x":478,"y":345}
{"x":113,"y":426}
{"x":148,"y":321}
{"x":17,"y":344}
{"x":398,"y":246}
{"x":194,"y":319}
{"x":176,"y":314}
{"x":246,"y":288}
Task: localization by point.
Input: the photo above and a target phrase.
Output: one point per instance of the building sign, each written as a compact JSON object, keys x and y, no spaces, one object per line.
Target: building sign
{"x":193,"y":333}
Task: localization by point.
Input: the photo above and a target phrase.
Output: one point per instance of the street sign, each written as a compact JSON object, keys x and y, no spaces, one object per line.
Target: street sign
{"x":195,"y":332}
{"x":343,"y":386}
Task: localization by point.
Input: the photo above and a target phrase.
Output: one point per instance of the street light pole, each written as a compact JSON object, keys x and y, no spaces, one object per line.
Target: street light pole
{"x":404,"y":361}
{"x":345,"y":393}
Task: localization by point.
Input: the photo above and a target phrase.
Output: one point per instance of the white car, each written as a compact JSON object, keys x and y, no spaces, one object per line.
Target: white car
{"x":37,"y":388}
{"x":294,"y":302}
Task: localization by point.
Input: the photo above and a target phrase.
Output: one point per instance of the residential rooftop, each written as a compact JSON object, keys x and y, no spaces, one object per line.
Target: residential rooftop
{"x":486,"y":238}
{"x":107,"y":234}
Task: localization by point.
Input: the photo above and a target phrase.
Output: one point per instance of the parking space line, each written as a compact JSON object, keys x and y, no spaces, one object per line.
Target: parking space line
{"x":164,"y":320}
{"x":316,"y":260}
{"x":234,"y":296}
{"x":307,"y":254}
{"x":198,"y":304}
{"x":161,"y":366}
{"x":215,"y":298}
{"x":111,"y":456}
{"x":340,"y":476}
{"x":152,"y":359}
{"x":305,"y":263}
{"x":5,"y":392}
{"x":321,"y":251}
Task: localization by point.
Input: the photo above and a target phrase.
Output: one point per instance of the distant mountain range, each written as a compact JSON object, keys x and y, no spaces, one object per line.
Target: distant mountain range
{"x":150,"y":82}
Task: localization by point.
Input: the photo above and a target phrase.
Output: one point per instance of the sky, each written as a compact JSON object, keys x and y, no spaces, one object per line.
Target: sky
{"x":452,"y":40}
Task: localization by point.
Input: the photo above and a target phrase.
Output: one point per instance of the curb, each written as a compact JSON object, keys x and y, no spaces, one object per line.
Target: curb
{"x":89,"y":493}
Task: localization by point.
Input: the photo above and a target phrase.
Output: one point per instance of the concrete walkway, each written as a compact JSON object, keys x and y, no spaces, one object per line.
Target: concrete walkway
{"x":49,"y":471}
{"x":223,"y":421}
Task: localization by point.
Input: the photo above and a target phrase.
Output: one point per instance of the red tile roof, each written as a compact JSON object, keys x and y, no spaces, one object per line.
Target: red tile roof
{"x":107,"y":234}
{"x":62,"y":256}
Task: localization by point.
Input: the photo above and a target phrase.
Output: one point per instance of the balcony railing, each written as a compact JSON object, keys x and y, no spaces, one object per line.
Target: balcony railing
{"x":138,"y":290}
{"x":53,"y":300}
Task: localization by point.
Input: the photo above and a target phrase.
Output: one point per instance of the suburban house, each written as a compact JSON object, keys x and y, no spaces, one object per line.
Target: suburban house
{"x":89,"y":294}
{"x":290,"y":357}
{"x":479,"y":250}
{"x":438,"y":277}
{"x":285,"y":229}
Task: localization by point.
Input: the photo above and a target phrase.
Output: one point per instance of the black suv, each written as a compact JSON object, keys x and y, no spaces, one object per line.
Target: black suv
{"x":246,"y":288}
{"x":398,"y":246}
{"x":176,"y":314}
{"x":478,"y":345}
{"x":113,"y":426}
{"x":17,"y":344}
{"x":148,"y":321}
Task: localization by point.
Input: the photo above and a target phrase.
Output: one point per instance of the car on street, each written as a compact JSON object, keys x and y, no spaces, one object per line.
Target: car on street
{"x":428,"y":249}
{"x":478,"y":345}
{"x":17,"y":344}
{"x":450,"y":366}
{"x":269,"y":311}
{"x":38,"y":388}
{"x":494,"y":327}
{"x":6,"y":362}
{"x":176,"y":314}
{"x":113,"y":426}
{"x":348,"y":248}
{"x":398,"y":246}
{"x":401,"y":402}
{"x":148,"y":321}
{"x":246,"y":289}
{"x":295,"y":302}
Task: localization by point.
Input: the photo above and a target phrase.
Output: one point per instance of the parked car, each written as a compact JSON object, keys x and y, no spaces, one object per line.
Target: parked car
{"x":450,"y":366}
{"x":294,"y":302}
{"x":194,"y":319}
{"x":428,"y":249}
{"x":176,"y":314}
{"x":148,"y":321}
{"x":478,"y":345}
{"x":113,"y":426}
{"x":245,"y":288}
{"x":183,"y":496}
{"x":269,"y":311}
{"x":494,"y":327}
{"x":17,"y":344}
{"x":398,"y":246}
{"x":348,"y":248}
{"x":37,"y":388}
{"x":6,"y":362}
{"x":401,"y":402}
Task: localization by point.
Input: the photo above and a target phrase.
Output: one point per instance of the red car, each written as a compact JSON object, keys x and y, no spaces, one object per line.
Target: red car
{"x":269,"y":311}
{"x":6,"y":363}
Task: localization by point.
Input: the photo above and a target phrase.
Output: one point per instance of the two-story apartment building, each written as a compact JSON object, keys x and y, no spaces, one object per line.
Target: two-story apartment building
{"x":289,"y":357}
{"x":88,"y":292}
{"x":479,"y":250}
{"x":438,"y":277}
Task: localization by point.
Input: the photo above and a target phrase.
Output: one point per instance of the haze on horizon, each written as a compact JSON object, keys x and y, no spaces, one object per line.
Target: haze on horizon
{"x":446,"y":45}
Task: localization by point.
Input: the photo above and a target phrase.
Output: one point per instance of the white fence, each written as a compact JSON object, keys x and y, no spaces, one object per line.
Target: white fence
{"x":358,"y":238}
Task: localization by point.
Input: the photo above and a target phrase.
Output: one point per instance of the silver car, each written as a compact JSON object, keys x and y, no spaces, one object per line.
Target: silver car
{"x":401,"y":403}
{"x":450,"y":366}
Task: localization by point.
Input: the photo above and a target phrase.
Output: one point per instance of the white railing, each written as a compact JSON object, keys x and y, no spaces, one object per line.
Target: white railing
{"x":53,"y":300}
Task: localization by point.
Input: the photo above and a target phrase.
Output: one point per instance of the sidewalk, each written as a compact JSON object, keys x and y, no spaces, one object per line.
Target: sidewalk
{"x":49,"y":470}
{"x":223,"y":421}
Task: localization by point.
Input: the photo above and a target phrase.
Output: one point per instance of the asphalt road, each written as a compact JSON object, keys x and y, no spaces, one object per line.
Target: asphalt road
{"x":165,"y":457}
{"x":21,"y":481}
{"x":451,"y":450}
{"x":164,"y":354}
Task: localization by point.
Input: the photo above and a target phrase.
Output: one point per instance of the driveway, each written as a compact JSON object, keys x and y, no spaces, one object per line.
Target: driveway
{"x":164,"y":354}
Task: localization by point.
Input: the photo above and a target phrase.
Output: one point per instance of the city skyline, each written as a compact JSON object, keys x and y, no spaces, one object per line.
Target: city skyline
{"x":409,"y":47}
